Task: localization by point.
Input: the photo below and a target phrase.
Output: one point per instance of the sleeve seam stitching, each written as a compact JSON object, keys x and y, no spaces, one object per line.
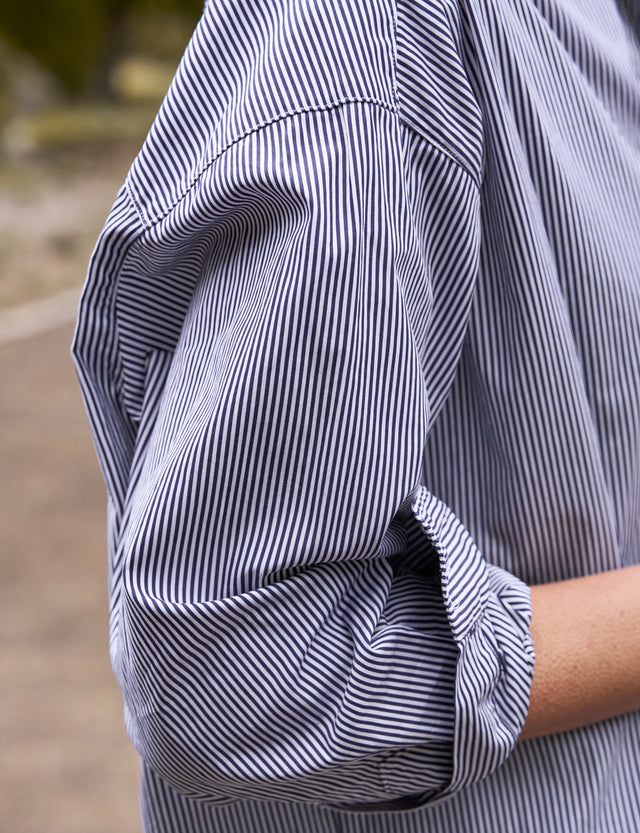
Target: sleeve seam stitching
{"x":149,"y":222}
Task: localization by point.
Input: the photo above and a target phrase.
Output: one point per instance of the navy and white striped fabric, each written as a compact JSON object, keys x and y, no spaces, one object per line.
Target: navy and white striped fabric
{"x":360,"y":347}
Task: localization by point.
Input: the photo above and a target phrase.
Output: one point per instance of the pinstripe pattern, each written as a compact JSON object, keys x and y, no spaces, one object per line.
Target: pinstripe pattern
{"x":359,"y":345}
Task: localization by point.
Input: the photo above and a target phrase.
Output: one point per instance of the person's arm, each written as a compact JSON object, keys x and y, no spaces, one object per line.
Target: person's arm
{"x":265,"y":340}
{"x":586,"y":634}
{"x":269,"y":636}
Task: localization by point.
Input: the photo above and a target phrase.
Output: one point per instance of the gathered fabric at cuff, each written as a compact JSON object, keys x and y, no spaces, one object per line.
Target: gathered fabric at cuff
{"x":489,"y":613}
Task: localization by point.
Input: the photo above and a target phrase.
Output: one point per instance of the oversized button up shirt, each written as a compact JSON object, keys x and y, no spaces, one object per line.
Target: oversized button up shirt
{"x":360,"y":348}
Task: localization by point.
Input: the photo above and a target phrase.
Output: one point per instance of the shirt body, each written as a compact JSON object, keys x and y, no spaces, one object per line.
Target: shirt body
{"x":359,"y":344}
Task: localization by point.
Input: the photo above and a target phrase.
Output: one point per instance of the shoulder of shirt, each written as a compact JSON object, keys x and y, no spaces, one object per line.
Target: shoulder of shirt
{"x":249,"y":65}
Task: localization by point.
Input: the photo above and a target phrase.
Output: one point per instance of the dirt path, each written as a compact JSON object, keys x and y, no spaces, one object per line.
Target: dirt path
{"x":66,"y":764}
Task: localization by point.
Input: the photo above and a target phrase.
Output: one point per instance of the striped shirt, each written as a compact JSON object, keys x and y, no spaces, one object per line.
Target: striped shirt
{"x":359,"y":345}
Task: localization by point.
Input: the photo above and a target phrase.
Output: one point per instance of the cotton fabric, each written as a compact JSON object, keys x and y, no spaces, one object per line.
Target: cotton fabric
{"x":359,"y":346}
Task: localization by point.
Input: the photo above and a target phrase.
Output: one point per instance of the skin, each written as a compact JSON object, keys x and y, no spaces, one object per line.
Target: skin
{"x":586,"y":635}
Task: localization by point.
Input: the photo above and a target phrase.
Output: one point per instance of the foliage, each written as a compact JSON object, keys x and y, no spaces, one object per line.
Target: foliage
{"x":79,"y":40}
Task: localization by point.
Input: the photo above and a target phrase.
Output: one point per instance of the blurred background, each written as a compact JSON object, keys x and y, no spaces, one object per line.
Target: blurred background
{"x":80,"y":82}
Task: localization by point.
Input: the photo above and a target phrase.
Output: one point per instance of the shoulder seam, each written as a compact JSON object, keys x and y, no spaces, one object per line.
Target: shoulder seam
{"x":150,"y":222}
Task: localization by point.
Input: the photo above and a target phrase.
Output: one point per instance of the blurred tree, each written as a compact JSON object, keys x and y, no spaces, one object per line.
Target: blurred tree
{"x":79,"y":40}
{"x":65,"y":36}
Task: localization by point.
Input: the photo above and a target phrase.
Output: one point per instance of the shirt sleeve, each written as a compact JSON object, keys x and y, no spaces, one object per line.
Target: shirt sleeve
{"x":294,"y":616}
